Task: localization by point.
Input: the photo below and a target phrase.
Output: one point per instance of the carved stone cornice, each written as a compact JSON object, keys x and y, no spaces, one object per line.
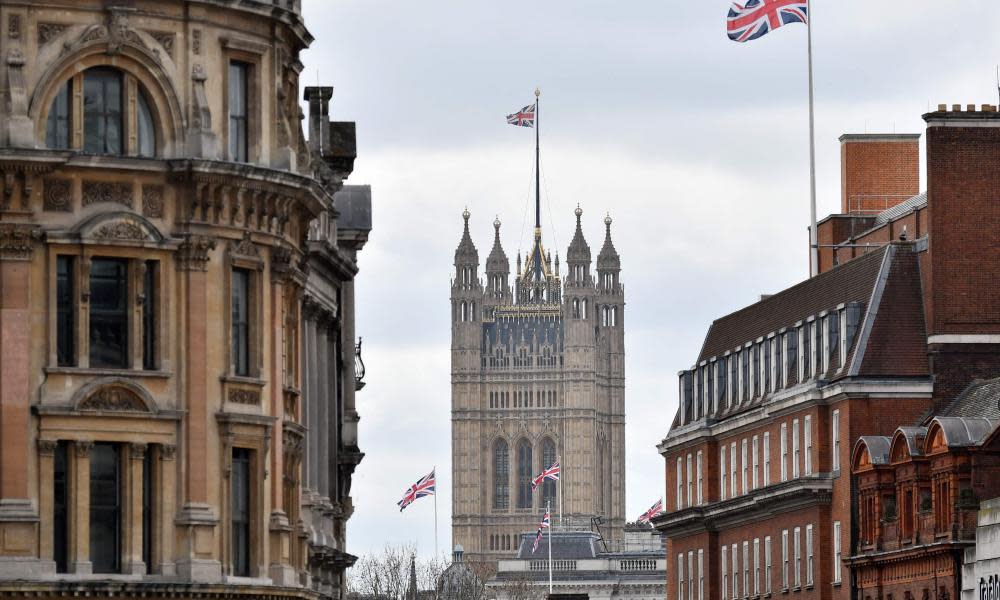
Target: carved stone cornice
{"x":113,"y":398}
{"x":83,"y":448}
{"x":17,"y":240}
{"x":47,"y":447}
{"x":193,"y":253}
{"x":168,"y":452}
{"x":137,"y":451}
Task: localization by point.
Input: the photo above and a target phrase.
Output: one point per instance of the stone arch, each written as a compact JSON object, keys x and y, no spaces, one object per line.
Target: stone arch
{"x":118,"y":226}
{"x":113,"y":394}
{"x":132,"y":57}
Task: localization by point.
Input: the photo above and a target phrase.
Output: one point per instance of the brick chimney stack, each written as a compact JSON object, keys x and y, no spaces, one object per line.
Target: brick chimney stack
{"x":878,"y":171}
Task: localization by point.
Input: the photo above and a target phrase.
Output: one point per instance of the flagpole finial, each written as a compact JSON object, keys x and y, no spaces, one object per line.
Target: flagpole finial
{"x":538,"y":92}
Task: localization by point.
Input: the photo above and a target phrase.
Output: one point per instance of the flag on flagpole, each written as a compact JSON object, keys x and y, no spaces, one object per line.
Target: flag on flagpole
{"x":523,"y":118}
{"x":654,"y":510}
{"x":423,"y":487}
{"x":543,"y":525}
{"x":758,"y":17}
{"x":550,"y":473}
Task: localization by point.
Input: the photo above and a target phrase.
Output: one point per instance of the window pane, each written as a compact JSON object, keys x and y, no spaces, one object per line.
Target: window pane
{"x":145,"y":129}
{"x":60,"y":507}
{"x":548,"y":459}
{"x":108,"y":313}
{"x":524,"y":474}
{"x":149,"y":307}
{"x":241,"y":512}
{"x":240,"y":322}
{"x":57,"y":124}
{"x":105,"y":508}
{"x":65,"y":312}
{"x":238,"y":111}
{"x":102,"y":113}
{"x":501,"y":475}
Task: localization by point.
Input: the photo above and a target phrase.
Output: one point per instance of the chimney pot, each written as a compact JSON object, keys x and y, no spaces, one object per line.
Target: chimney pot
{"x":956,"y":107}
{"x":985,"y":108}
{"x":942,"y":107}
{"x":970,"y":107}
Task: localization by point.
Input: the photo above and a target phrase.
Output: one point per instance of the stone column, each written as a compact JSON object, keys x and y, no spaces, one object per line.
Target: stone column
{"x":167,"y":486}
{"x":323,"y":406}
{"x":305,"y":403}
{"x":18,"y":518}
{"x":132,"y":531}
{"x":350,"y":424}
{"x":315,"y":427}
{"x":279,"y":568}
{"x":79,"y":509}
{"x":335,"y":410}
{"x":46,"y":503}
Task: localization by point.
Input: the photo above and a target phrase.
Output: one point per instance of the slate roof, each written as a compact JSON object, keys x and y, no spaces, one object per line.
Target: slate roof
{"x":565,"y":545}
{"x":354,"y":207}
{"x":980,"y":399}
{"x":878,"y":448}
{"x":966,"y":431}
{"x":904,"y":207}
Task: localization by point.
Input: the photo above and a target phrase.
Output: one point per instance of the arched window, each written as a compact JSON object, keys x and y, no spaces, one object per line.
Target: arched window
{"x":548,"y":459}
{"x":524,"y":474}
{"x":583,"y":309}
{"x":576,"y":308}
{"x":116,"y":114}
{"x":501,"y":475}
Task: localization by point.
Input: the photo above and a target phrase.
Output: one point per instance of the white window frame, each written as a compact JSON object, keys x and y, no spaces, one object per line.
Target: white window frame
{"x":722,"y":472}
{"x":784,"y":452}
{"x":762,"y":367}
{"x":680,"y":576}
{"x":756,"y":463}
{"x":797,"y":543}
{"x":690,"y":480}
{"x":680,"y":483}
{"x":824,"y":324}
{"x":767,"y":458}
{"x":701,"y":574}
{"x":746,"y":569}
{"x":756,"y":566}
{"x":795,"y":449}
{"x":767,"y":564}
{"x":724,"y":561}
{"x":732,"y":470}
{"x":801,"y":373}
{"x":745,"y":464}
{"x":729,"y":384}
{"x":808,"y":439}
{"x":836,"y":552}
{"x":700,"y":470}
{"x":690,"y":574}
{"x":751,"y":371}
{"x":739,"y":376}
{"x":784,"y":559}
{"x":809,"y":554}
{"x":736,"y":570}
{"x":835,"y":429}
{"x":843,"y":338}
{"x":774,"y":363}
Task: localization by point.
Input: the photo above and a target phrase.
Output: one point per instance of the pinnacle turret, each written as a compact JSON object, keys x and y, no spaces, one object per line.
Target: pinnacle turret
{"x":496,"y":262}
{"x":466,"y":253}
{"x":608,"y":259}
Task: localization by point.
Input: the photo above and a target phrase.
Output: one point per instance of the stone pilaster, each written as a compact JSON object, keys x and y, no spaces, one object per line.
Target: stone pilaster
{"x":79,"y":509}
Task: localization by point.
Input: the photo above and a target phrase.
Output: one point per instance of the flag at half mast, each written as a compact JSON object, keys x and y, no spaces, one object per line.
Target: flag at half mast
{"x":550,"y":473}
{"x":545,"y":524}
{"x":757,"y":18}
{"x":423,"y":487}
{"x":654,"y":510}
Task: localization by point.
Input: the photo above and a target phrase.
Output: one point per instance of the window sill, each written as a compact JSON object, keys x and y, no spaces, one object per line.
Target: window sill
{"x":243,"y":380}
{"x":109,"y":372}
{"x":835,"y":583}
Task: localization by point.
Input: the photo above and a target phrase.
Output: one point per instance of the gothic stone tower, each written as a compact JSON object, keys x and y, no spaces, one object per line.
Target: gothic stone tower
{"x":537,"y":372}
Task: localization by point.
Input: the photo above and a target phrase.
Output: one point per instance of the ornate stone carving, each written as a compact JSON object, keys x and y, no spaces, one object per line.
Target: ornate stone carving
{"x":118,"y":31}
{"x":201,"y":118}
{"x":14,"y":26}
{"x":196,"y":41}
{"x":281,"y":262}
{"x":57,"y":194}
{"x":168,"y":452}
{"x":152,"y":201}
{"x":193,"y":253}
{"x":243,"y":396}
{"x":121,"y":230}
{"x":245,"y":247}
{"x":17,"y":240}
{"x":137,"y":451}
{"x":47,"y":447}
{"x":107,"y":191}
{"x":165,"y":39}
{"x":113,"y":398}
{"x":83,"y":448}
{"x":49,"y":31}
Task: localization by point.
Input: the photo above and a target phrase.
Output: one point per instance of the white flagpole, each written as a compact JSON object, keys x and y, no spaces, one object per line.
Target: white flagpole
{"x":435,"y":513}
{"x":813,"y":244}
{"x":559,"y":488}
{"x":549,"y":513}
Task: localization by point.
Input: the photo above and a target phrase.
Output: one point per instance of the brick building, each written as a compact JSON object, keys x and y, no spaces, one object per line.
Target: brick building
{"x":900,"y":320}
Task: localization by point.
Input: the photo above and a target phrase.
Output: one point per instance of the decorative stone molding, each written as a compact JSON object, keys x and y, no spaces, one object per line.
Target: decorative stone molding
{"x":17,"y":240}
{"x":121,"y":230}
{"x":47,"y":447}
{"x":49,"y":31}
{"x":57,"y":195}
{"x":83,"y":448}
{"x":164,"y":39}
{"x":118,"y":30}
{"x":152,"y":201}
{"x":193,"y":253}
{"x":115,"y":399}
{"x":196,"y":41}
{"x":14,"y":26}
{"x":137,"y":451}
{"x":168,"y":452}
{"x":106,"y":191}
{"x":245,"y":248}
{"x":243,"y":396}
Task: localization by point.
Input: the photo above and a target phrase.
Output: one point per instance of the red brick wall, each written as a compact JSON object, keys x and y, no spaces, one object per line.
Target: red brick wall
{"x":878,"y":171}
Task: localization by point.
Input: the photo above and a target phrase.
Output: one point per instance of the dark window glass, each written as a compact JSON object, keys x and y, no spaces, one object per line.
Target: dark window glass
{"x":745,"y":354}
{"x":548,"y":459}
{"x":65,"y":312}
{"x":149,"y":315}
{"x":524,"y":474}
{"x":102,"y":111}
{"x":105,"y":508}
{"x":147,"y":509}
{"x":734,"y":376}
{"x":767,"y":367}
{"x":241,"y":512}
{"x":778,"y":364}
{"x":238,"y":111}
{"x":833,"y":322}
{"x":756,"y":371}
{"x":806,"y":359}
{"x":108,"y":313}
{"x":501,"y":476}
{"x":145,"y":130}
{"x":793,"y":356}
{"x":241,"y":322}
{"x":57,"y":124}
{"x":60,"y":506}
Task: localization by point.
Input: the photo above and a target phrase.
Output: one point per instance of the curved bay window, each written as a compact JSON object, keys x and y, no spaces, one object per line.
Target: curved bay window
{"x":501,"y":476}
{"x":116,"y":114}
{"x":548,"y":459}
{"x":524,"y":474}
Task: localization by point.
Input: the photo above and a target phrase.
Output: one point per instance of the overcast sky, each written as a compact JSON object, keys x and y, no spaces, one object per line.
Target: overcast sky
{"x":697,"y":146}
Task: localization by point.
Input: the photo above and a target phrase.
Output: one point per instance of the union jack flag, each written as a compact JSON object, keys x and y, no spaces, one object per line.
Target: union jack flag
{"x":654,"y":510}
{"x":758,"y":17}
{"x":545,"y":524}
{"x":423,"y":487}
{"x":550,"y":473}
{"x":524,"y":117}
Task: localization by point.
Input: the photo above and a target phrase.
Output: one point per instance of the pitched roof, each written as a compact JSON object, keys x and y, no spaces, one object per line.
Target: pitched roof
{"x":893,"y":213}
{"x":878,"y":448}
{"x":980,"y":399}
{"x":565,"y":545}
{"x":849,"y":282}
{"x":966,"y":431}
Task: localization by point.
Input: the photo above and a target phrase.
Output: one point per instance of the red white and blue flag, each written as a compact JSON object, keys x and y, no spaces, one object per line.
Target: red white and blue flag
{"x":550,"y":473}
{"x":654,"y":510}
{"x":545,"y":524}
{"x":524,"y":117}
{"x":758,"y":17}
{"x":423,"y":487}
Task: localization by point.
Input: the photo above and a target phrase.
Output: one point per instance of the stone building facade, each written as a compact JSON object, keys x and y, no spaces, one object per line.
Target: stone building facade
{"x":164,"y":225}
{"x":537,"y":373}
{"x":900,"y":320}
